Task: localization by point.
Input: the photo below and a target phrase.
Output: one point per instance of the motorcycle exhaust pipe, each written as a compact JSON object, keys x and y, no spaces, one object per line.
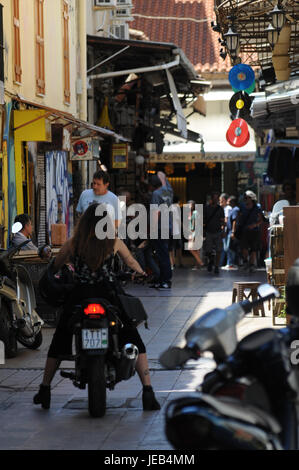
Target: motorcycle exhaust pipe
{"x":127,"y":363}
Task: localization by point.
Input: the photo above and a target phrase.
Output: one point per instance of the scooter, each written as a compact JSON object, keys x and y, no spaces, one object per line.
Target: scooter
{"x":250,"y":400}
{"x":18,"y":319}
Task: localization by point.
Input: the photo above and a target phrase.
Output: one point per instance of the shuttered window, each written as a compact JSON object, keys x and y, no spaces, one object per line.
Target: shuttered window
{"x":66,"y":53}
{"x":17,"y":42}
{"x":40,"y":47}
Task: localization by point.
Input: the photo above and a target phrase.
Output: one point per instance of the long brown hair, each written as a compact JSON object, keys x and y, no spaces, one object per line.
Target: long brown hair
{"x":86,"y":245}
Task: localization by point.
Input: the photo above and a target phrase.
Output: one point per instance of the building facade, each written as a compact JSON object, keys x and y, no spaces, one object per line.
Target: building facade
{"x":44,"y":114}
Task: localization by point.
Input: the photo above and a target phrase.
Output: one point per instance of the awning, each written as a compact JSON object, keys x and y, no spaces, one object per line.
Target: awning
{"x":217,"y":151}
{"x":165,"y":67}
{"x":84,"y":128}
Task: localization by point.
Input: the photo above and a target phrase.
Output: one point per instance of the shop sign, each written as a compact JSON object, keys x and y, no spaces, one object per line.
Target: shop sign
{"x":119,"y":156}
{"x":32,"y":125}
{"x":200,"y":158}
{"x":85,"y":149}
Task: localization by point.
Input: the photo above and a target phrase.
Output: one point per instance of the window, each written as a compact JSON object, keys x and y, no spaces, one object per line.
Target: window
{"x":17,"y":43}
{"x":66,"y":53}
{"x":123,"y":12}
{"x":104,"y":3}
{"x":40,"y":47}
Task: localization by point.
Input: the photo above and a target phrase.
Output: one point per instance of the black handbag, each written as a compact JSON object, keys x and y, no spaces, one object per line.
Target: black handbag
{"x":133,"y":310}
{"x":56,"y":289}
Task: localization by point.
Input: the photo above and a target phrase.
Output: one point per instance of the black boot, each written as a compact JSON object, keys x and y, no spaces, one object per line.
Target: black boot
{"x":43,"y":397}
{"x":149,"y":401}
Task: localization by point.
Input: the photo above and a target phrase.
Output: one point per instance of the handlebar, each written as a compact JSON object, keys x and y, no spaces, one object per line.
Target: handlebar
{"x":12,"y":251}
{"x":214,"y":331}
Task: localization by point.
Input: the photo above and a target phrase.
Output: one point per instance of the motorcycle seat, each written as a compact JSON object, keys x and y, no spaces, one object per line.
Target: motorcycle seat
{"x":236,"y":409}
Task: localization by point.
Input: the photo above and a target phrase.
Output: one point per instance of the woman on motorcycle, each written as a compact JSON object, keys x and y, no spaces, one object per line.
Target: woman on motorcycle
{"x":91,"y":256}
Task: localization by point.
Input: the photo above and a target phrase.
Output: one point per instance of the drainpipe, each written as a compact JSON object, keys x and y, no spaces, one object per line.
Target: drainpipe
{"x":83,"y":60}
{"x":153,"y":68}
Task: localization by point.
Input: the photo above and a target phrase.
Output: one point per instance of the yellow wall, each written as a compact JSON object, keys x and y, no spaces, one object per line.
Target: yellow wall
{"x":53,"y":24}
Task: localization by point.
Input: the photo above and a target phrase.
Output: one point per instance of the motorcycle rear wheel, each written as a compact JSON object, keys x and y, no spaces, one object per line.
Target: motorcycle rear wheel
{"x":31,"y":343}
{"x":96,"y":387}
{"x":7,"y":332}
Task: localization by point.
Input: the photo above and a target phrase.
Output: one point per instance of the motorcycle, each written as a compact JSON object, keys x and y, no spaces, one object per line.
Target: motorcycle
{"x":250,"y":400}
{"x":19,"y":321}
{"x":99,"y":362}
{"x":95,"y":324}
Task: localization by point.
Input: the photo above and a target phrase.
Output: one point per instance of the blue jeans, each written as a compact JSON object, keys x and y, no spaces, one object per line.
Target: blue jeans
{"x":230,"y":253}
{"x":145,"y":258}
{"x":161,"y":247}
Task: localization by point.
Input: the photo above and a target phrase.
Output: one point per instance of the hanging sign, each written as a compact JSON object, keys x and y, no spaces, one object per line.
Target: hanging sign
{"x":85,"y":149}
{"x":119,"y":158}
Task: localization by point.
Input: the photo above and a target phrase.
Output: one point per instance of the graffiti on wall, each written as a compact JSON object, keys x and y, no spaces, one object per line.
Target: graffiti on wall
{"x":58,"y":188}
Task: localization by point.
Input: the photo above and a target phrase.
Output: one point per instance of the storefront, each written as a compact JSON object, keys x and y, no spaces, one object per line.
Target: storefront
{"x":40,"y":176}
{"x":195,"y":170}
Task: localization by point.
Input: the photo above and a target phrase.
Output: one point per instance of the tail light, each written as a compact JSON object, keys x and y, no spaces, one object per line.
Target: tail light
{"x":232,"y":390}
{"x":94,"y":310}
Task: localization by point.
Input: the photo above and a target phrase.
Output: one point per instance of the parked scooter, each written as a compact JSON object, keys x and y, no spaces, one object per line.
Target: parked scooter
{"x":18,"y":319}
{"x":250,"y":400}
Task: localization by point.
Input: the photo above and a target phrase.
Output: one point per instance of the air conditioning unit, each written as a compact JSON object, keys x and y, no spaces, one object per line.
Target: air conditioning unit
{"x":119,"y":31}
{"x":105,"y":3}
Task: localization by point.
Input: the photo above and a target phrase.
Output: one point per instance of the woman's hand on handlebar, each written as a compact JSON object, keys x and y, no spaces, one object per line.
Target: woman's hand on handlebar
{"x":136,"y":275}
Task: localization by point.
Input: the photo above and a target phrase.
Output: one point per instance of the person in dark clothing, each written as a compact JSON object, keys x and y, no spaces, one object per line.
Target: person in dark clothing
{"x":162,"y":194}
{"x":91,"y":274}
{"x":250,"y":221}
{"x":213,"y":222}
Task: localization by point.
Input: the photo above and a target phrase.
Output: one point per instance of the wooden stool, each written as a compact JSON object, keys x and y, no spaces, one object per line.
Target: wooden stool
{"x":239,"y":294}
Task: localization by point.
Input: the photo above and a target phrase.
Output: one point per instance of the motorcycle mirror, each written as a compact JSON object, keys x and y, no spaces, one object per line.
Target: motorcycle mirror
{"x":16,"y":227}
{"x":265,"y":290}
{"x":45,"y":252}
{"x":174,"y":357}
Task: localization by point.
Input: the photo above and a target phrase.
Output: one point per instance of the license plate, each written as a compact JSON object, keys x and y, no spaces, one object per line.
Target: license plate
{"x":95,"y":339}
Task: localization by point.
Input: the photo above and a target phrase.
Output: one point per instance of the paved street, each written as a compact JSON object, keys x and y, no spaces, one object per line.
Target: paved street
{"x":67,"y":424}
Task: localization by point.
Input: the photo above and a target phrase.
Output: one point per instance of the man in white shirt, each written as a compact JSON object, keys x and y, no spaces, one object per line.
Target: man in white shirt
{"x":25,"y":233}
{"x":100,"y":194}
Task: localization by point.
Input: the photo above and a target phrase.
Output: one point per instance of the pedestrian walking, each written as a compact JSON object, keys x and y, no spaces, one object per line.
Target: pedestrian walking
{"x":191,"y":242}
{"x":213,"y":231}
{"x":223,"y":201}
{"x":231,"y":243}
{"x":248,"y":230}
{"x":175,"y":241}
{"x":162,"y":194}
{"x":99,"y":193}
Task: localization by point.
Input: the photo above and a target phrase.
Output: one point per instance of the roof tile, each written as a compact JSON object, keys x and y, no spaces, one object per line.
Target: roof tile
{"x":185,"y":23}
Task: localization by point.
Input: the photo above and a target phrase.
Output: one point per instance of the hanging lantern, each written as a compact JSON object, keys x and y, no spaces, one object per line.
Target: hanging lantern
{"x":187,"y":168}
{"x":278,"y":17}
{"x":232,"y":40}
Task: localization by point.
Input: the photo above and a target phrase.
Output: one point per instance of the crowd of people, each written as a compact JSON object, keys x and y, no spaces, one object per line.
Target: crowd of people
{"x":232,"y":232}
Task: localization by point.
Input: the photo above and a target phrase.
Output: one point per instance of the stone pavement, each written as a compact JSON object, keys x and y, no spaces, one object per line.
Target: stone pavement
{"x":67,"y":425}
